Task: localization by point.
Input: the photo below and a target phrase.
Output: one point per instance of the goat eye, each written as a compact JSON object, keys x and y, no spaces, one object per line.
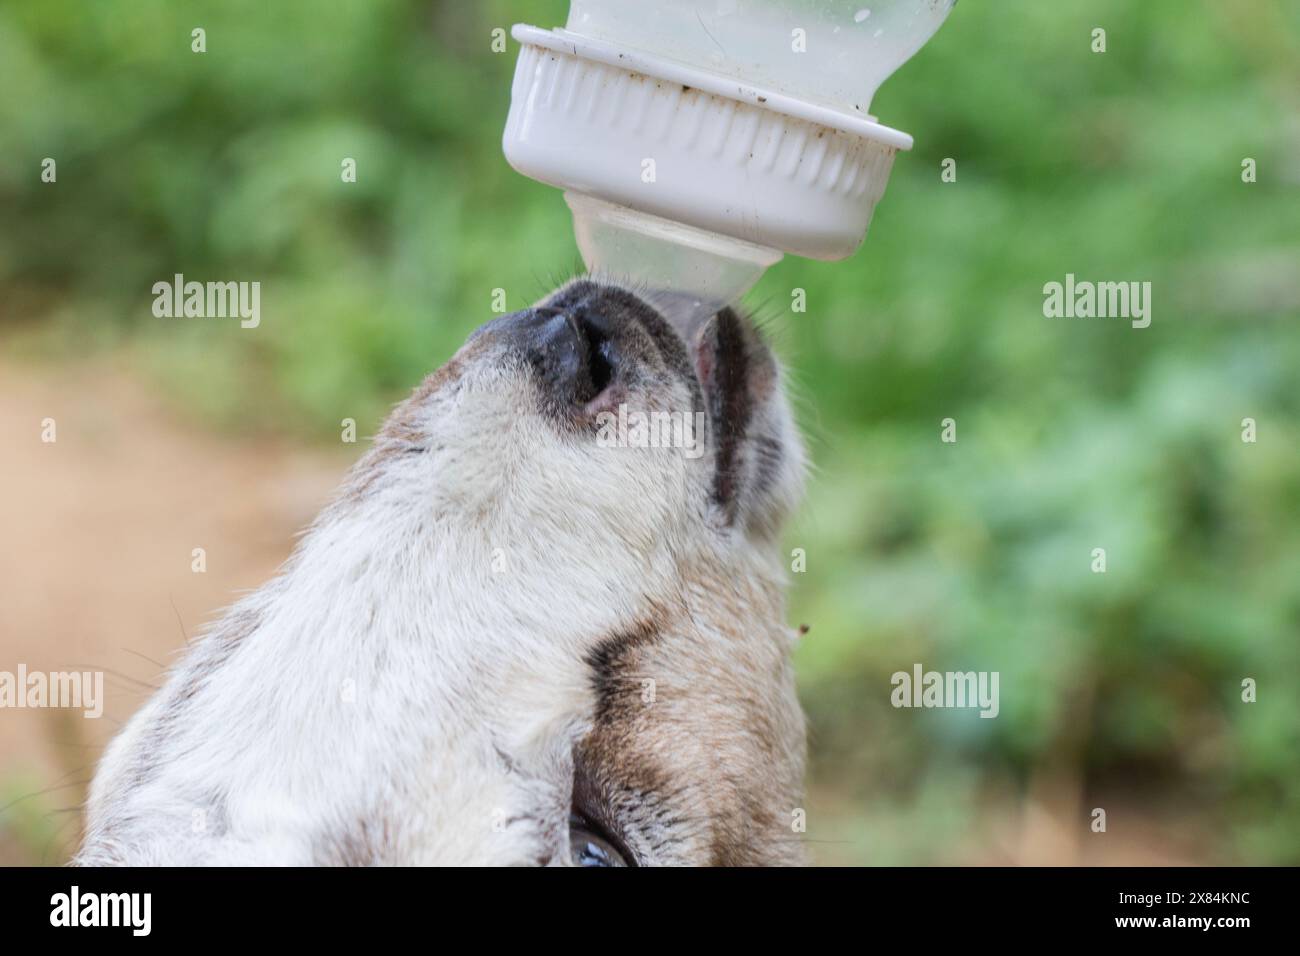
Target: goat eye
{"x":589,"y":848}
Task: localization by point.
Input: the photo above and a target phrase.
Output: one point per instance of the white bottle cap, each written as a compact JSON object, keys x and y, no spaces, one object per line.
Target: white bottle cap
{"x":688,"y":180}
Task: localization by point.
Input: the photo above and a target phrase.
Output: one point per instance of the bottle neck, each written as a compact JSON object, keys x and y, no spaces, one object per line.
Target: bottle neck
{"x":698,"y":271}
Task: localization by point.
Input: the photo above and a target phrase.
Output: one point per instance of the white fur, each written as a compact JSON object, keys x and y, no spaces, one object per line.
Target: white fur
{"x":471,"y":685}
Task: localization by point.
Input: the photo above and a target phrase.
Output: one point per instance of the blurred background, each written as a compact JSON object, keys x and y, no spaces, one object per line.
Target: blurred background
{"x":1119,"y":690}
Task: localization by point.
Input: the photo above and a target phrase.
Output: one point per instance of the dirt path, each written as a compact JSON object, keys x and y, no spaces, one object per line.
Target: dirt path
{"x":97,"y":531}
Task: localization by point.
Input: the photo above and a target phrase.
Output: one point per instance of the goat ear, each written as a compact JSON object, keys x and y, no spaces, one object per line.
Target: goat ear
{"x":757,"y":477}
{"x":732,"y":360}
{"x":724,"y":362}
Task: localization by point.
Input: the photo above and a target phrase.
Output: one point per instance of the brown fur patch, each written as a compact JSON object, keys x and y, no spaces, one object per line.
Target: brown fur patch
{"x":402,"y":432}
{"x":707,"y":770}
{"x":401,"y":424}
{"x":367,"y":842}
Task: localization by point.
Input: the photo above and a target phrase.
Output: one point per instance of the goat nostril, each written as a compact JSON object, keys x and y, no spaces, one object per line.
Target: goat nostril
{"x":596,"y":357}
{"x":601,"y":368}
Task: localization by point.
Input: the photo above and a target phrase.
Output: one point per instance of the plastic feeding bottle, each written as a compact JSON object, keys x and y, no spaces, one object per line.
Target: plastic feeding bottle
{"x":698,"y":140}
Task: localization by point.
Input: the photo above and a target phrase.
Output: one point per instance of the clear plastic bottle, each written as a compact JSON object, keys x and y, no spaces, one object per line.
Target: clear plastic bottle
{"x":855,"y":44}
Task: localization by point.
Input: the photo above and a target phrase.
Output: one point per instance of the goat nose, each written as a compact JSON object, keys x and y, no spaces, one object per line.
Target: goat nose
{"x":569,"y":351}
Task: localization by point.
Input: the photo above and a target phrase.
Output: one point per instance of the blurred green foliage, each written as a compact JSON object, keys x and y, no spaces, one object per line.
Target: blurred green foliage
{"x":1073,"y":434}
